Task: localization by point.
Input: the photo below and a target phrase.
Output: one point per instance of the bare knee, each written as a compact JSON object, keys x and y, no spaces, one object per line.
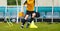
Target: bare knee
{"x":33,"y":15}
{"x":26,"y":17}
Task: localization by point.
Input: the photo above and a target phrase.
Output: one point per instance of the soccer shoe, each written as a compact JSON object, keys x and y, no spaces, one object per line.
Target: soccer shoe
{"x":21,"y":27}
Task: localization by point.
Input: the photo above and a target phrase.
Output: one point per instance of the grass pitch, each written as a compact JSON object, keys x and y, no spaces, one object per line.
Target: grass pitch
{"x":42,"y":26}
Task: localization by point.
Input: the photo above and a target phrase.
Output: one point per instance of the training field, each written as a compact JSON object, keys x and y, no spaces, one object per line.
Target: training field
{"x":42,"y":26}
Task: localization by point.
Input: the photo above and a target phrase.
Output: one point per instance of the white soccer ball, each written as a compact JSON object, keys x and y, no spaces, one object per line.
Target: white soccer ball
{"x":13,"y":20}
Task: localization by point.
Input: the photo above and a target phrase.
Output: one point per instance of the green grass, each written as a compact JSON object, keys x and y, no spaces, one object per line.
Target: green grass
{"x":42,"y":26}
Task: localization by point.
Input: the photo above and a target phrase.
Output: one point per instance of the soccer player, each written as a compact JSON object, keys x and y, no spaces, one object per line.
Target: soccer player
{"x":30,"y":12}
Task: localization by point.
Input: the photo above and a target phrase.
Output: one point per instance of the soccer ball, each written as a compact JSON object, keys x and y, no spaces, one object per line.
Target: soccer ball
{"x":13,"y":20}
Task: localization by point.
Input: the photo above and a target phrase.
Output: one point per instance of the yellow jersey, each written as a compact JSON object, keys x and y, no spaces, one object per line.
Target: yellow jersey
{"x":30,"y":5}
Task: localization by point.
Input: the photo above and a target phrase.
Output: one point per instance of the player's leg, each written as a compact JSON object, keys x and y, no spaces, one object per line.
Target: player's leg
{"x":28,"y":22}
{"x":30,"y":19}
{"x":24,"y":20}
{"x":33,"y":16}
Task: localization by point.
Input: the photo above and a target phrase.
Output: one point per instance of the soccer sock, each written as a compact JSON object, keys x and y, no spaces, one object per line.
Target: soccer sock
{"x":28,"y":23}
{"x":23,"y":21}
